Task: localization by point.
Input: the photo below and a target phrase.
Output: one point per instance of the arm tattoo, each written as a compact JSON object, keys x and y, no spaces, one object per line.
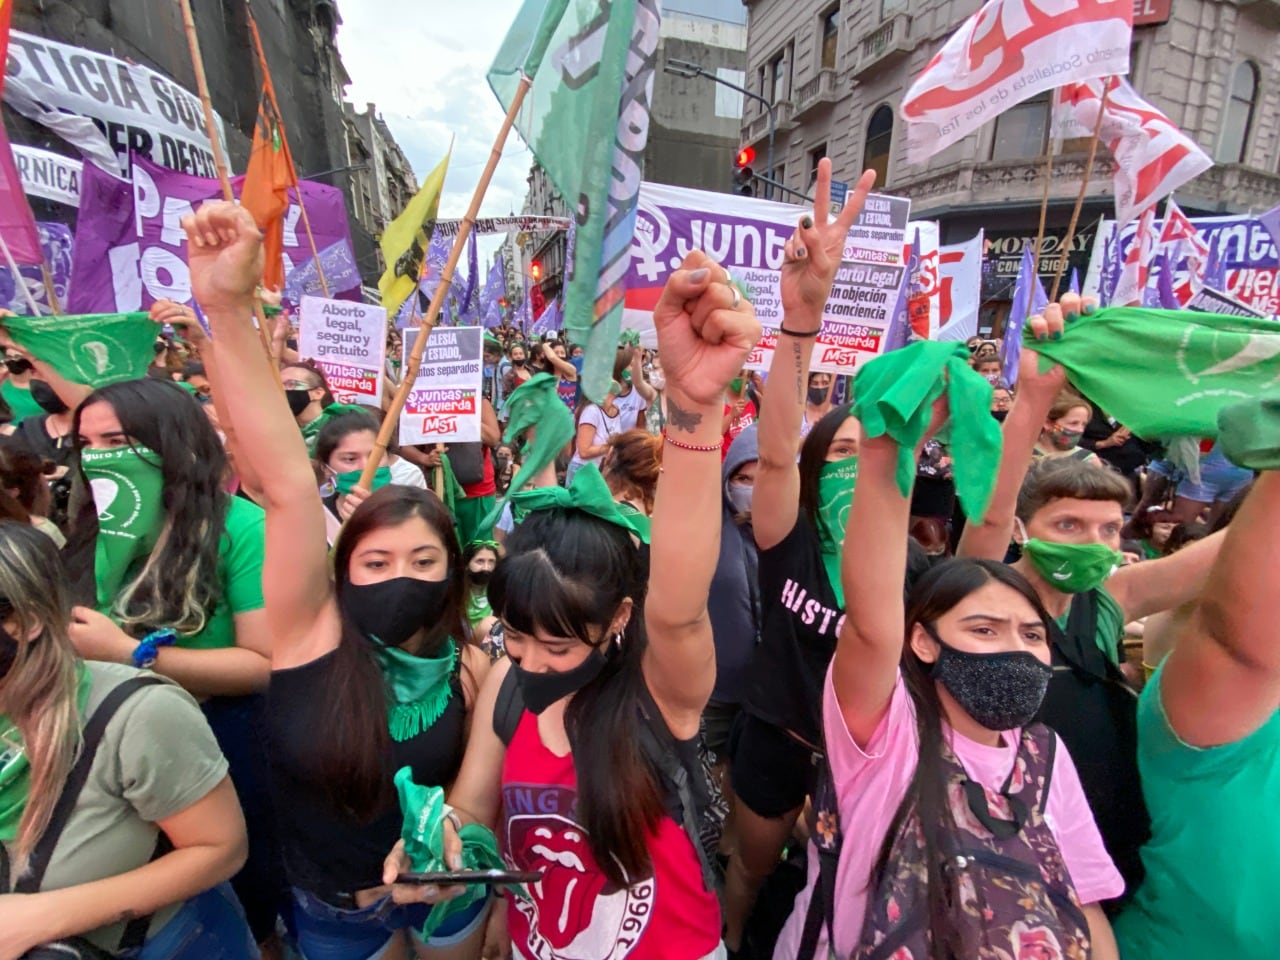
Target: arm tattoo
{"x":795,"y":350}
{"x":680,"y":418}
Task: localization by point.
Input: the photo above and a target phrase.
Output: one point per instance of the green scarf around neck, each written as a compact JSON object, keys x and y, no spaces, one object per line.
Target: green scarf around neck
{"x":15,"y":769}
{"x":128,"y":488}
{"x":835,"y":500}
{"x":418,"y":688}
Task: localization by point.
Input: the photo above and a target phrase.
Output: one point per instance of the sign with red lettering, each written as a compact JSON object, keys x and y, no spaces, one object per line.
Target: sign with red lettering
{"x":444,"y":405}
{"x":1147,"y":13}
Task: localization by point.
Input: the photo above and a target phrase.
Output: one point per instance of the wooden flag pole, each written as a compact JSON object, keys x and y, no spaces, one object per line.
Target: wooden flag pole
{"x":1044,"y":206}
{"x":288,"y":154}
{"x":1084,"y":187}
{"x":17,"y":278}
{"x":220,"y":162}
{"x":410,"y":373}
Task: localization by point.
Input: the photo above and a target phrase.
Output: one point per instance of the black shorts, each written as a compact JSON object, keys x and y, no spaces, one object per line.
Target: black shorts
{"x":771,"y":772}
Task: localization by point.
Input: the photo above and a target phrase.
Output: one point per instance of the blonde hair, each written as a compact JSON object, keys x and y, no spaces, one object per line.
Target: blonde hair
{"x":39,"y":692}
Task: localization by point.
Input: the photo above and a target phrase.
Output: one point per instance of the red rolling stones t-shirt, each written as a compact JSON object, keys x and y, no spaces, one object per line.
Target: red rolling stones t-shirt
{"x":575,"y":911}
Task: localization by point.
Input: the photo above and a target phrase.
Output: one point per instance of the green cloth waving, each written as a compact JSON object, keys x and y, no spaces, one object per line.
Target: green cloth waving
{"x":1249,"y":433}
{"x":535,"y":403}
{"x":835,"y":500}
{"x":1166,"y":372}
{"x":128,"y":490}
{"x":424,"y":812}
{"x":894,"y":394}
{"x":589,"y":493}
{"x":94,"y":349}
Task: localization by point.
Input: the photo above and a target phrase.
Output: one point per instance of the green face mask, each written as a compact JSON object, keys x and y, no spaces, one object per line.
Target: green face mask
{"x":128,"y":488}
{"x":835,"y":499}
{"x":345,"y":482}
{"x":1073,"y":567}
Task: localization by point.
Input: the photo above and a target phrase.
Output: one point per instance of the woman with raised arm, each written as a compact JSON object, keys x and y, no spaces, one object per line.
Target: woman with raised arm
{"x":370,"y":668}
{"x":779,"y":729}
{"x":965,"y":830}
{"x":602,"y":692}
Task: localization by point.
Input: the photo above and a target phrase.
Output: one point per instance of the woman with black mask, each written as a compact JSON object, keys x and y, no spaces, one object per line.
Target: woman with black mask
{"x":371,"y":668}
{"x":49,"y":437}
{"x":15,"y":387}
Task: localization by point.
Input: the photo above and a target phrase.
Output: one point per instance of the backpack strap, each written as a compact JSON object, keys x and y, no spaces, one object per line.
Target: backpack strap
{"x":507,"y":709}
{"x":1077,"y":645}
{"x":828,"y":840}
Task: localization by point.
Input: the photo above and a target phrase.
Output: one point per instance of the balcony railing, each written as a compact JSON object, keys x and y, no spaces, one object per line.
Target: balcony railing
{"x":757,"y":128}
{"x":823,"y":89}
{"x":886,"y":43}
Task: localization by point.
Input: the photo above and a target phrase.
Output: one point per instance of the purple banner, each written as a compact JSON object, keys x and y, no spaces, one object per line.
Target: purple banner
{"x":130,"y":250}
{"x":56,"y":244}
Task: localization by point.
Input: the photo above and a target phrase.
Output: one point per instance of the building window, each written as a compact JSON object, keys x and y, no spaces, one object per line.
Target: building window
{"x":815,"y":155}
{"x":875,"y":155}
{"x":1022,"y":130}
{"x":830,"y":37}
{"x":1237,"y":119}
{"x":777,"y":78}
{"x":890,"y":7}
{"x":763,"y":86}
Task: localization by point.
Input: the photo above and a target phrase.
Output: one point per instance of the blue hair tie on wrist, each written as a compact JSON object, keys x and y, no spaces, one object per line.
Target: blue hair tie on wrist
{"x":148,"y":649}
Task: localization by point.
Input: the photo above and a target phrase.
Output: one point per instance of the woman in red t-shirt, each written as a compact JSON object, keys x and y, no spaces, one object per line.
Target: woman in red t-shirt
{"x":594,"y":666}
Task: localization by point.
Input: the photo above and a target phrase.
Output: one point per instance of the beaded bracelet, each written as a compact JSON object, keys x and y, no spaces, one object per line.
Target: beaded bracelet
{"x":694,"y":447}
{"x":148,"y":649}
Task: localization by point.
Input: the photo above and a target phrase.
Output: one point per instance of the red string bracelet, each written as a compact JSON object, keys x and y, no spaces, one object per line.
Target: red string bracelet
{"x":694,"y":447}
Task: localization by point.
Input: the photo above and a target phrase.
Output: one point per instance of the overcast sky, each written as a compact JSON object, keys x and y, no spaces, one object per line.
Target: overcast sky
{"x":423,"y":65}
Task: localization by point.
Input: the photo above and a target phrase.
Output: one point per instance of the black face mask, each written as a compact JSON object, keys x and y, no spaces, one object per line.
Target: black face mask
{"x":1000,"y":414}
{"x":1000,"y":691}
{"x":391,"y":612}
{"x":8,"y":652}
{"x":817,"y":395}
{"x":48,"y":401}
{"x":541,"y":690}
{"x":299,"y":400}
{"x":479,"y":578}
{"x":519,"y":363}
{"x":18,"y":365}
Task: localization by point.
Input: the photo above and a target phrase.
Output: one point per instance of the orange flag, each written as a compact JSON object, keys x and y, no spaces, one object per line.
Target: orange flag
{"x":265,"y":192}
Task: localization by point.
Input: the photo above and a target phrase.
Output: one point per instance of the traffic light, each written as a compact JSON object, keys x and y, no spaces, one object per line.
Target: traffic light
{"x":535,"y":270}
{"x":743,"y":175}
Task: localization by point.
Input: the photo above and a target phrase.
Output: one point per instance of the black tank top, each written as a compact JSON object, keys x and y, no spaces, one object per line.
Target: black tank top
{"x":326,"y":851}
{"x":33,"y":433}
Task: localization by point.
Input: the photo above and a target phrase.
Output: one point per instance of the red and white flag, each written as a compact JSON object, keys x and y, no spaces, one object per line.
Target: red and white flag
{"x":960,"y":276}
{"x":1179,"y":238}
{"x":1137,"y":262}
{"x":1153,"y":157}
{"x":1007,"y":52}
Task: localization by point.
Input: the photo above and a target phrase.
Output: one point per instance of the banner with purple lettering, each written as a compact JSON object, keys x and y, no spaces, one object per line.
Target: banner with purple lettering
{"x":746,"y":236}
{"x":130,"y":250}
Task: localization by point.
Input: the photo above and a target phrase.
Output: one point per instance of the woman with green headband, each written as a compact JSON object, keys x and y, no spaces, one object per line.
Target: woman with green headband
{"x":797,"y":519}
{"x":557,"y":758}
{"x":371,"y":668}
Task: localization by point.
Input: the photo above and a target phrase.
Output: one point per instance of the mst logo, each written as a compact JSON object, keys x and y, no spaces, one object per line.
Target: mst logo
{"x":840,"y":356}
{"x":439,"y":424}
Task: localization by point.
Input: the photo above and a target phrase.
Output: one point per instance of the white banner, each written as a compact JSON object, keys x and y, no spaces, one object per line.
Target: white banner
{"x":960,"y":274}
{"x":48,"y":175}
{"x":444,"y":405}
{"x":131,"y":106}
{"x":1007,"y":52}
{"x":348,"y":341}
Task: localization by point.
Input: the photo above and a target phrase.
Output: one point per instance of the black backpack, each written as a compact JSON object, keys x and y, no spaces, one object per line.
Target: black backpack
{"x":1095,"y":712}
{"x":693,"y":798}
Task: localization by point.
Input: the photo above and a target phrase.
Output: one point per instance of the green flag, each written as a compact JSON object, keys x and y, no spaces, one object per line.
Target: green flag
{"x":586,"y":118}
{"x":93,"y":349}
{"x":1166,"y":373}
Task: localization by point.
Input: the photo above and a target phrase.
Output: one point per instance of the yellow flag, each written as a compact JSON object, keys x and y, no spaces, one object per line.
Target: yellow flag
{"x":404,"y":242}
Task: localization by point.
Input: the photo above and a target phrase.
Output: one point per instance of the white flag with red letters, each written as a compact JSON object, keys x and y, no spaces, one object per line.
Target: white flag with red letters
{"x":1137,"y":263}
{"x":1153,"y":157}
{"x":960,"y":288}
{"x":1007,"y":52}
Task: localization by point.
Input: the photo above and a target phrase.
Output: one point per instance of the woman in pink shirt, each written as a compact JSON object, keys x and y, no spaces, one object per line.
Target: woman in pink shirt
{"x":965,"y":829}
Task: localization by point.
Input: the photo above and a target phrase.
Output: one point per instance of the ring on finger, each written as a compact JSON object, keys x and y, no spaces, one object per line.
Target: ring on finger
{"x":737,"y":297}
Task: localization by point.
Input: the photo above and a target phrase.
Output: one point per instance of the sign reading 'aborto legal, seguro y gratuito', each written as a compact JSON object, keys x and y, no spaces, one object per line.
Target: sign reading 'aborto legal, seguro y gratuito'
{"x":348,"y":341}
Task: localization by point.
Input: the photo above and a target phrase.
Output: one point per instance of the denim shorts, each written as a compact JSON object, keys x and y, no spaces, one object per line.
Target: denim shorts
{"x":1220,"y":480}
{"x":326,"y":932}
{"x":210,"y":926}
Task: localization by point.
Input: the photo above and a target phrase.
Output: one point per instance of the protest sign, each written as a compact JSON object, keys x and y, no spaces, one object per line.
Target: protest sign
{"x":131,"y":250}
{"x":48,"y":175}
{"x":348,"y":341}
{"x":1209,"y":300}
{"x":747,"y":237}
{"x":444,"y":404}
{"x":132,"y":107}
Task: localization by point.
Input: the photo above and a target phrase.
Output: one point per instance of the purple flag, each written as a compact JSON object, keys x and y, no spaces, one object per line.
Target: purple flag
{"x":1025,"y":303}
{"x":1271,"y":220}
{"x":552,"y":319}
{"x":1075,"y":282}
{"x":432,"y":271}
{"x":900,"y":325}
{"x":492,"y":315}
{"x":56,"y":245}
{"x":466,"y":300}
{"x":130,"y":250}
{"x":495,"y":285}
{"x":1215,"y":271}
{"x":1166,"y":298}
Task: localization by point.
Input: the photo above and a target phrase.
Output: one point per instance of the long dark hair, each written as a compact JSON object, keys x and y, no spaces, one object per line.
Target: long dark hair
{"x":352,"y":745}
{"x":933,"y":594}
{"x":565,"y":573}
{"x":178,"y":586}
{"x":813,"y":457}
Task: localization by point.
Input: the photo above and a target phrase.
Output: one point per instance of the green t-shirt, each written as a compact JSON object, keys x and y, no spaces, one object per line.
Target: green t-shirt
{"x":1110,"y":625}
{"x":157,"y":758}
{"x":1213,"y":854}
{"x":19,"y":401}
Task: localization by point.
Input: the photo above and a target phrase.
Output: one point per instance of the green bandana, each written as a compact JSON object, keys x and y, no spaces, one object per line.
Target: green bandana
{"x":1166,"y":372}
{"x":424,"y":812}
{"x":1073,"y":567}
{"x":478,"y":607}
{"x":1249,"y":433}
{"x":95,"y":349}
{"x":345,"y":482}
{"x":418,"y":688}
{"x":536,"y":403}
{"x":835,"y":499}
{"x":589,"y":493}
{"x":311,"y":431}
{"x":127,"y":490}
{"x":894,"y":395}
{"x":629,"y":338}
{"x":15,"y":770}
{"x":735,"y":385}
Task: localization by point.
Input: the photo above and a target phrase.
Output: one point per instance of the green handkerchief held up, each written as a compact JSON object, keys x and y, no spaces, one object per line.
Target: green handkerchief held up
{"x":537,"y":404}
{"x":423,"y":834}
{"x":894,"y":394}
{"x":93,"y":349}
